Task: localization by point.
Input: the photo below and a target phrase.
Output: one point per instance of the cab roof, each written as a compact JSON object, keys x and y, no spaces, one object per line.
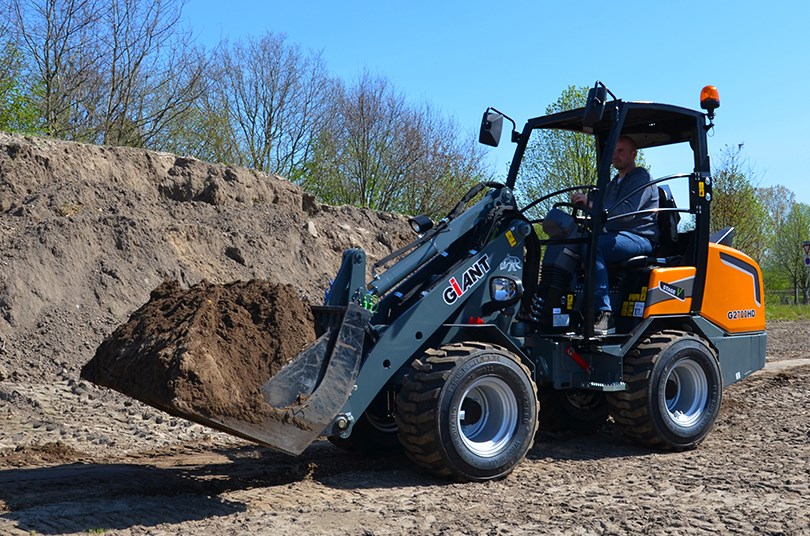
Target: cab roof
{"x":649,"y":124}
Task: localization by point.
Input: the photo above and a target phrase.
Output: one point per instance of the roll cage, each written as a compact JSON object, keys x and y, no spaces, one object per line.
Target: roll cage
{"x":650,"y":125}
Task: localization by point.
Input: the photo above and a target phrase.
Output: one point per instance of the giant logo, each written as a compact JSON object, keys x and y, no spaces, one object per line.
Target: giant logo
{"x":470,"y":277}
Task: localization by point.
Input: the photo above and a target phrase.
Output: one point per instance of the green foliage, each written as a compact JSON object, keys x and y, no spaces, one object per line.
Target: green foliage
{"x":735,"y":203}
{"x":777,"y":201}
{"x":18,"y":109}
{"x":785,"y":256}
{"x":557,"y":159}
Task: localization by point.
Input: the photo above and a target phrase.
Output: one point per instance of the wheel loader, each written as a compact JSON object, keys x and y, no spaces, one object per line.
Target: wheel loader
{"x":462,"y":343}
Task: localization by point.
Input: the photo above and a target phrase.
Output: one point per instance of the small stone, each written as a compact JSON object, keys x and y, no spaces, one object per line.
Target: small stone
{"x":311,"y":229}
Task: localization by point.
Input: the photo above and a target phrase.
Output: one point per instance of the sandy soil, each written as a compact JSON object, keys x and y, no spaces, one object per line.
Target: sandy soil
{"x":88,"y":232}
{"x":88,"y":460}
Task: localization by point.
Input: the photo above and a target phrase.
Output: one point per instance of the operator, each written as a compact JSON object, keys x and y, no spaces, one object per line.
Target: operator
{"x":623,"y":238}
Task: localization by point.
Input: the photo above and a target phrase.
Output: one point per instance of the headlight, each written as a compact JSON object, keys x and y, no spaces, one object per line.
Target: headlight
{"x":421,"y":224}
{"x":505,"y":289}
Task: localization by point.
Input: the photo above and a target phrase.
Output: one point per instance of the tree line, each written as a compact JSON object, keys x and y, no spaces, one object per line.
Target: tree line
{"x":128,"y":72}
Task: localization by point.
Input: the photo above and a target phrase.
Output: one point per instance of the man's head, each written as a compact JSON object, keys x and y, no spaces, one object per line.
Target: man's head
{"x":624,"y":156}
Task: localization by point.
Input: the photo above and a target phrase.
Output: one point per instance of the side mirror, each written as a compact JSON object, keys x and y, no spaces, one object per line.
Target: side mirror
{"x":595,"y":106}
{"x":491,"y":126}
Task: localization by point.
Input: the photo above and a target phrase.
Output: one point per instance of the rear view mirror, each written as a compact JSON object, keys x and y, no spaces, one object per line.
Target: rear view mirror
{"x":595,"y":106}
{"x":491,"y":126}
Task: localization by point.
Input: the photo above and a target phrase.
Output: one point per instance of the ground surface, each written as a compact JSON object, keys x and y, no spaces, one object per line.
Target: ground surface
{"x":88,"y":232}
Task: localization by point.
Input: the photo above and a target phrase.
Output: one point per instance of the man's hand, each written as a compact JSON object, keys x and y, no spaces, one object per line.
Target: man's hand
{"x":579,"y":199}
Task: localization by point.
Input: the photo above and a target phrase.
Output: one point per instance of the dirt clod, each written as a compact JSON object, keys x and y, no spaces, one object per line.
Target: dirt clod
{"x":47,"y":454}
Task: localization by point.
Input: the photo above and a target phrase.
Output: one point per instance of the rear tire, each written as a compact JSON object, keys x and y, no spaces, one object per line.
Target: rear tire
{"x":674,"y":391}
{"x":578,"y":410}
{"x":467,"y":411}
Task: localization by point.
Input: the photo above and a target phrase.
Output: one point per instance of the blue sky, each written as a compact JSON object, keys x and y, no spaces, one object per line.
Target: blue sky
{"x":518,"y":56}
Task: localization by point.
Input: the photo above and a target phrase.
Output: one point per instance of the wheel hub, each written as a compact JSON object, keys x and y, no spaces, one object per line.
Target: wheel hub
{"x":686,"y":393}
{"x":487,"y":416}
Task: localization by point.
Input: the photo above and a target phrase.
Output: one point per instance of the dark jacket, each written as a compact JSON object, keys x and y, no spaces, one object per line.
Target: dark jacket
{"x":645,"y":225}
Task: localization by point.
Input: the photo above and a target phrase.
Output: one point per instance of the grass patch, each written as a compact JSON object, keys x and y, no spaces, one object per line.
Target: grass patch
{"x":780,"y":311}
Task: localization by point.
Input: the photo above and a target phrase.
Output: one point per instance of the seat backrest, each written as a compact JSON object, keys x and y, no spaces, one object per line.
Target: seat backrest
{"x":667,"y":221}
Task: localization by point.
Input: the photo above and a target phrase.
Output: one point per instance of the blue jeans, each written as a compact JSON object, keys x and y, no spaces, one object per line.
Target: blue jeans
{"x":611,"y":248}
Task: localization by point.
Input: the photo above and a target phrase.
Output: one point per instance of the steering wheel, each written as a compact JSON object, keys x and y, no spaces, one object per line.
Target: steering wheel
{"x":587,"y":187}
{"x":573,"y":206}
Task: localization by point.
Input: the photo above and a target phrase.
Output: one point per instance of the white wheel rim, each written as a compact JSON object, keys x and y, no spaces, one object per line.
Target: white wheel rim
{"x":686,"y":393}
{"x":487,"y":416}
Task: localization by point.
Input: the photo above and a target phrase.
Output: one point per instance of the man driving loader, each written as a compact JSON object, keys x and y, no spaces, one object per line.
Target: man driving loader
{"x":622,"y":238}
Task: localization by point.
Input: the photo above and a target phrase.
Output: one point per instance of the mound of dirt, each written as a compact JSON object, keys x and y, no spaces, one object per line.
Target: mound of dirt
{"x":47,"y":454}
{"x":206,"y":350}
{"x":87,"y":232}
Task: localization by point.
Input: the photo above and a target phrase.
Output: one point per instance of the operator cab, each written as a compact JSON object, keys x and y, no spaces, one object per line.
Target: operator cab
{"x":650,"y":125}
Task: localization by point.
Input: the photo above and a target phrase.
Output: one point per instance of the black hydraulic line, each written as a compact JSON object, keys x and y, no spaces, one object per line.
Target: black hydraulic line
{"x":458,"y":209}
{"x":557,"y":192}
{"x":475,"y":190}
{"x":418,"y":242}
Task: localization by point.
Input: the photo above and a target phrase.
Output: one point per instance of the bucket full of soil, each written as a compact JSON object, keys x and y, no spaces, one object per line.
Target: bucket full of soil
{"x":204,"y":353}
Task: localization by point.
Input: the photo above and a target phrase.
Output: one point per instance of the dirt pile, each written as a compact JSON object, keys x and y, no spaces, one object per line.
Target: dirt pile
{"x":87,"y":232}
{"x":49,"y":453}
{"x":206,"y":350}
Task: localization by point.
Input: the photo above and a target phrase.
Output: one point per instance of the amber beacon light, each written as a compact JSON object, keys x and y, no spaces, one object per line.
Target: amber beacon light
{"x":709,"y":100}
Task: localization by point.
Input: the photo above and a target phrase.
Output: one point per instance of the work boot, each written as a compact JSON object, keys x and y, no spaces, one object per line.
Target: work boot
{"x":604,"y":324}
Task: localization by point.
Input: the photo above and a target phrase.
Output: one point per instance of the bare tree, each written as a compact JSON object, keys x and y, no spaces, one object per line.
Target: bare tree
{"x":275,"y":97}
{"x":449,"y":163}
{"x":150,"y":74}
{"x":383,"y":153}
{"x":57,"y":36}
{"x":113,"y":72}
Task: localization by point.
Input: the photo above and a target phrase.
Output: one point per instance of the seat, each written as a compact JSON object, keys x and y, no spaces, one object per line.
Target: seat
{"x":667,"y":223}
{"x":669,"y":248}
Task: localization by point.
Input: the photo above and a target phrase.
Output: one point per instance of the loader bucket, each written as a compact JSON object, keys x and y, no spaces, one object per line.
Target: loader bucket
{"x":219,"y":355}
{"x":306,"y":395}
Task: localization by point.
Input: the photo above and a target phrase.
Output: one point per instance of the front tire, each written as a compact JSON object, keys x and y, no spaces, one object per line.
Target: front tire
{"x":467,"y":411}
{"x":674,"y":391}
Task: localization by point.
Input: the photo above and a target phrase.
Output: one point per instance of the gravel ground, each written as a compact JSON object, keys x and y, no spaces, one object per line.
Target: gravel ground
{"x":75,"y":458}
